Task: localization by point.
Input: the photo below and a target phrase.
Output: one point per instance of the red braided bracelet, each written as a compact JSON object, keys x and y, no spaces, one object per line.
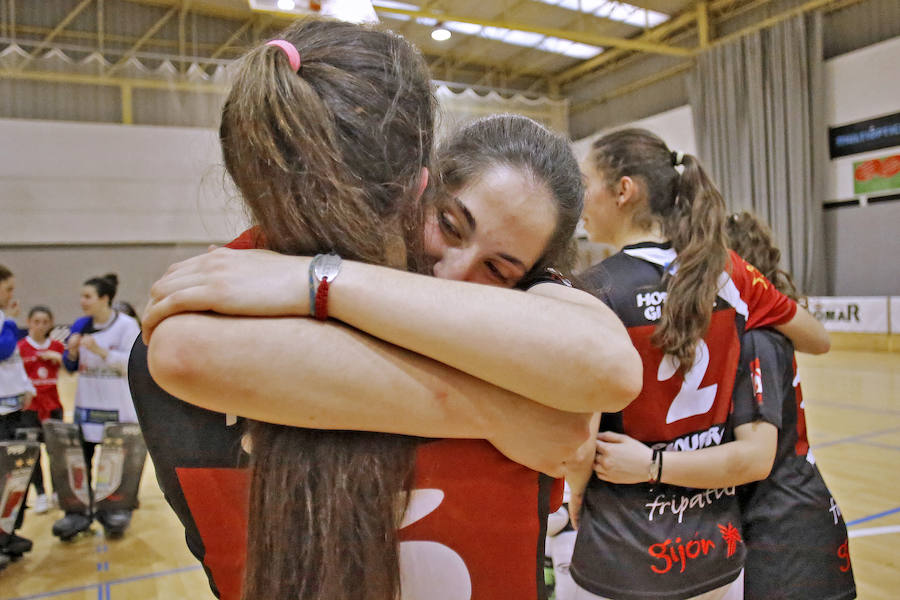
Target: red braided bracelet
{"x":322,"y":300}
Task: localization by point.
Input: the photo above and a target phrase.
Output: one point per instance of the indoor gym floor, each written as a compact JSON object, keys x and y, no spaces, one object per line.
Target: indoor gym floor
{"x":853,"y":412}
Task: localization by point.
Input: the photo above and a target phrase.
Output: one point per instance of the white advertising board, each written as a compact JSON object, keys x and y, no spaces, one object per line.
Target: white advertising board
{"x":861,"y":314}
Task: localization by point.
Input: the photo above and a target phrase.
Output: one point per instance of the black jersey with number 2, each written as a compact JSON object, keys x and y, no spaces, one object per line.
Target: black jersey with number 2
{"x":639,"y":542}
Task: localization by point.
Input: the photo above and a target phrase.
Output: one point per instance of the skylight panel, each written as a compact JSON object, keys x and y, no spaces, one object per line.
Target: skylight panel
{"x":582,"y":51}
{"x":569,"y":48}
{"x":614,"y":11}
{"x":568,"y":4}
{"x":464,"y":28}
{"x":515,"y":37}
{"x":493,"y":33}
{"x":523,"y":38}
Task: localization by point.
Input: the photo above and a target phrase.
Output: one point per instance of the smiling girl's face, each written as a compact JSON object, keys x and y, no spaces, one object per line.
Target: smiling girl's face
{"x":491,"y":231}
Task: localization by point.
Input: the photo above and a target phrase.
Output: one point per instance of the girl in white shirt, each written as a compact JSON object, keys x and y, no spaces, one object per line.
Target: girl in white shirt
{"x":98,"y":349}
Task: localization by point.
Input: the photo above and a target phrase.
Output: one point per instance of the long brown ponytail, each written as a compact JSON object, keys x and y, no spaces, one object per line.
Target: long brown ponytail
{"x":692,"y":212}
{"x":329,"y":159}
{"x":752,"y":239}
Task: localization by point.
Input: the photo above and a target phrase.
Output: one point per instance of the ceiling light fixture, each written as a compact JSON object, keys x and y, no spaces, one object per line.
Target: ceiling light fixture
{"x":286,"y":4}
{"x":440,"y":33}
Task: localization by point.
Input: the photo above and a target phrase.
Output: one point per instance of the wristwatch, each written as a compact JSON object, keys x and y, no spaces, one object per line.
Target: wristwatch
{"x":654,"y":467}
{"x":321,"y":267}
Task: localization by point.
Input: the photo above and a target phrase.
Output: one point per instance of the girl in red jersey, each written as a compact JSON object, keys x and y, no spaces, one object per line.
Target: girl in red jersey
{"x":354,"y":380}
{"x":686,"y":301}
{"x":42,"y":357}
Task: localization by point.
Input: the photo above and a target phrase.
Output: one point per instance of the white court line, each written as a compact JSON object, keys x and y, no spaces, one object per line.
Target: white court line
{"x":855,"y":533}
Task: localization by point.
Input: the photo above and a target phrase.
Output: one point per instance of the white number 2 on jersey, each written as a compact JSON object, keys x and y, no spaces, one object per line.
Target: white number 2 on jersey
{"x":691,"y":399}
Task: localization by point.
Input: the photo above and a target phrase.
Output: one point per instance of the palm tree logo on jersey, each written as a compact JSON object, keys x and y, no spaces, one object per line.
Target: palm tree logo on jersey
{"x":732,"y":536}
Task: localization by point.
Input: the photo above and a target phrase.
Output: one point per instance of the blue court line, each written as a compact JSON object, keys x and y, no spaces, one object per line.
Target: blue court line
{"x":847,"y":406}
{"x":873,"y":517}
{"x":152,"y":575}
{"x":106,"y":586}
{"x":80,"y":588}
{"x":854,"y":438}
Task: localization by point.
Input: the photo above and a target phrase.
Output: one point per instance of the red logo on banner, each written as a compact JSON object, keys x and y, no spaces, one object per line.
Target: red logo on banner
{"x":878,"y":167}
{"x":868,"y":170}
{"x":890,"y":166}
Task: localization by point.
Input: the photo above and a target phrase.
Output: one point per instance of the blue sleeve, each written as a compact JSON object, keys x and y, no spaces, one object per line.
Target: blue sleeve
{"x":9,"y":338}
{"x":77,"y":327}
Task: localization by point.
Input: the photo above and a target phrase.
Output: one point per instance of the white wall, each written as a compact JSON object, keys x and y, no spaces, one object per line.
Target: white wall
{"x":79,"y":200}
{"x":861,"y":239}
{"x":675,"y":127}
{"x":96,"y":183}
{"x":860,"y":85}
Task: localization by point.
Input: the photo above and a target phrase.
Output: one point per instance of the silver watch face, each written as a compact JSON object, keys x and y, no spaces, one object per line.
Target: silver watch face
{"x":326,"y":265}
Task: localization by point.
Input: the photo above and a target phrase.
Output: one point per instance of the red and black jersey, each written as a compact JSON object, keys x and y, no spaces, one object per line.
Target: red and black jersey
{"x":669,"y":542}
{"x":795,"y":534}
{"x":43,"y":375}
{"x":475,"y":519}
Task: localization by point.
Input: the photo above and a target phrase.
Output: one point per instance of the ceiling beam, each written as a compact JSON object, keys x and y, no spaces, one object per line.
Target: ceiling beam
{"x":429,"y":5}
{"x":468,"y":57}
{"x":546,"y":79}
{"x":633,"y":86}
{"x":472,"y":54}
{"x":182,"y":33}
{"x":657,"y":33}
{"x":662,"y":31}
{"x":233,"y":37}
{"x":452,"y":61}
{"x":828,"y":5}
{"x":575,"y":36}
{"x":145,"y":38}
{"x":78,"y":78}
{"x":703,"y":24}
{"x":55,"y":31}
{"x":204,"y":7}
{"x":101,"y":27}
{"x":94,"y":36}
{"x":775,"y":19}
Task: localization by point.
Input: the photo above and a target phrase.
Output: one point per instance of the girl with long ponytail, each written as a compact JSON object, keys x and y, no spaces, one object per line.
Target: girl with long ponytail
{"x":686,"y":300}
{"x":327,"y":155}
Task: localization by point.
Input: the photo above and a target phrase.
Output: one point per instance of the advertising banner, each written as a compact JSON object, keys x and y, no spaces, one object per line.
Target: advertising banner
{"x":861,"y":314}
{"x":876,"y":175}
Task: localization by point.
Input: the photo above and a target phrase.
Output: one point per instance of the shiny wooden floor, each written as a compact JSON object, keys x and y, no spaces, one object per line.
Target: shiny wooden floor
{"x":853,"y":409}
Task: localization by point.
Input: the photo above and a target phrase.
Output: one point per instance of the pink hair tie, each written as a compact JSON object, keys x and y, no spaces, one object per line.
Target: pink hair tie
{"x":291,"y":50}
